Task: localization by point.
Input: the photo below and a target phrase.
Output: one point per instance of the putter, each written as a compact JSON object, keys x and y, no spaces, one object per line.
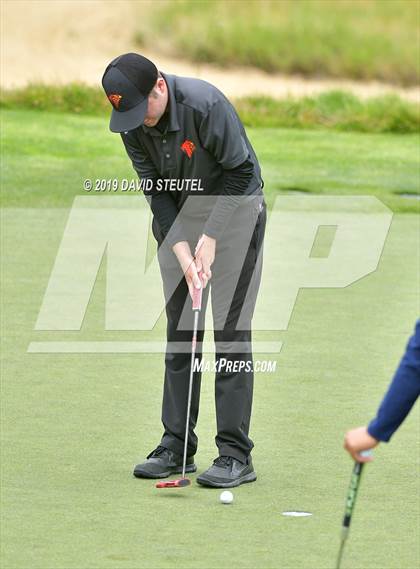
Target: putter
{"x":196,"y":306}
{"x":350,"y":503}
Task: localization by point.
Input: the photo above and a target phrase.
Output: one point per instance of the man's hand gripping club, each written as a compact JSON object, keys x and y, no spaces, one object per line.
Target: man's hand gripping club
{"x":191,"y":267}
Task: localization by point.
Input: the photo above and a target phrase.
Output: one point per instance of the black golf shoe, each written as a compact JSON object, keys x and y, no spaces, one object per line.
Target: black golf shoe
{"x":161,"y":463}
{"x":227,"y":472}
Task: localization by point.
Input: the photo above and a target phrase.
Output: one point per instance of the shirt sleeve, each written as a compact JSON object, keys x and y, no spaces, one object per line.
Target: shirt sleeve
{"x":161,"y":203}
{"x":402,"y":392}
{"x":220,"y":134}
{"x":237,"y":181}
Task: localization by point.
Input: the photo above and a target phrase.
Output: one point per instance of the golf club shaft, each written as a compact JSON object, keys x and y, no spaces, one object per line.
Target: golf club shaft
{"x":350,"y":503}
{"x":352,"y":495}
{"x":190,"y":386}
{"x":340,"y":553}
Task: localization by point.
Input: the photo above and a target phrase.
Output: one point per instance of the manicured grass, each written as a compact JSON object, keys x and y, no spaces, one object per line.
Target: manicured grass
{"x":73,"y":425}
{"x":366,"y":39}
{"x":47,"y":156}
{"x":332,"y":110}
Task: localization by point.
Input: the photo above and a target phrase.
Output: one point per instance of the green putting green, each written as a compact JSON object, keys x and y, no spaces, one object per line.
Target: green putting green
{"x":73,"y":425}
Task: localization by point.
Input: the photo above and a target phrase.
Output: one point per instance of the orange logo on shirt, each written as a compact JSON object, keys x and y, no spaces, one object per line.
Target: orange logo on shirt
{"x":115,"y":100}
{"x":188,"y":147}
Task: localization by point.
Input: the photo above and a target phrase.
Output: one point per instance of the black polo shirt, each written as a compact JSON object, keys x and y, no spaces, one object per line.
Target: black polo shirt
{"x":200,"y":138}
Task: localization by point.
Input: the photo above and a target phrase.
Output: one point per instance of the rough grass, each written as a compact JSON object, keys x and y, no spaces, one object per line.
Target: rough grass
{"x":337,"y":110}
{"x":75,"y":98}
{"x":332,"y":110}
{"x":364,"y":39}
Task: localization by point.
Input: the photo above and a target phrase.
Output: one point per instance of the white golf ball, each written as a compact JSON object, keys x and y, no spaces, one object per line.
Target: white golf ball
{"x":226,"y":497}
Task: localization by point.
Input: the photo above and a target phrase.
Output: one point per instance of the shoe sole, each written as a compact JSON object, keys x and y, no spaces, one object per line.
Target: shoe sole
{"x":144,"y":474}
{"x":251,"y":477}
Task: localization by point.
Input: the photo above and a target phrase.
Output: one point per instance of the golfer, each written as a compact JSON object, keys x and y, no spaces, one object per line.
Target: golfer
{"x":397,"y":403}
{"x":202,"y":180}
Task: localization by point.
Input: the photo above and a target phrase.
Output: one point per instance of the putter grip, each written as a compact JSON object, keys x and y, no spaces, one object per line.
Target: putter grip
{"x":197,"y":295}
{"x":366,"y":453}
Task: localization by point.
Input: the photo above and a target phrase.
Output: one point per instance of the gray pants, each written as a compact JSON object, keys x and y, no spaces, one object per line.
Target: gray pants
{"x":236,"y":275}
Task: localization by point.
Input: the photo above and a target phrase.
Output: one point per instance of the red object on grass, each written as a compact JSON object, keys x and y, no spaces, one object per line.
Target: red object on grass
{"x":180,"y":483}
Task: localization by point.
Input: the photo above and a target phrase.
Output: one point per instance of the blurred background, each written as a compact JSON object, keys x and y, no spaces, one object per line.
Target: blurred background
{"x":230,"y":42}
{"x":270,"y":49}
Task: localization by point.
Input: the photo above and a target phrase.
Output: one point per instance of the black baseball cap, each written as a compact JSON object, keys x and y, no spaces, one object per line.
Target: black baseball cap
{"x":128,"y":81}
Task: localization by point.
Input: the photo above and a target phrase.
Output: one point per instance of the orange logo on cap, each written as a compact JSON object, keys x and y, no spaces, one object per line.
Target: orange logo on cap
{"x":188,"y":147}
{"x":115,"y":100}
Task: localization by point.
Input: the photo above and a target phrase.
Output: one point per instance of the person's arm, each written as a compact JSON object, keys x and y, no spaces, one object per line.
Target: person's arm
{"x":402,"y":393}
{"x":221,"y":136}
{"x":164,"y":209}
{"x":236,"y":184}
{"x":397,"y":403}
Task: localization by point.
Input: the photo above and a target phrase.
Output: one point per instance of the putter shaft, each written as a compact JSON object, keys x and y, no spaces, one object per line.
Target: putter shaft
{"x":181,"y":482}
{"x":190,"y":386}
{"x":196,"y":306}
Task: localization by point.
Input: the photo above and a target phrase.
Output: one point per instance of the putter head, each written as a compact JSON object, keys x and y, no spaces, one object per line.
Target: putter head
{"x":180,"y":483}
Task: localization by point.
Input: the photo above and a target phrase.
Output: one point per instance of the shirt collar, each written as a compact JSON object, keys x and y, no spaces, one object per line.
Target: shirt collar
{"x":173,"y":124}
